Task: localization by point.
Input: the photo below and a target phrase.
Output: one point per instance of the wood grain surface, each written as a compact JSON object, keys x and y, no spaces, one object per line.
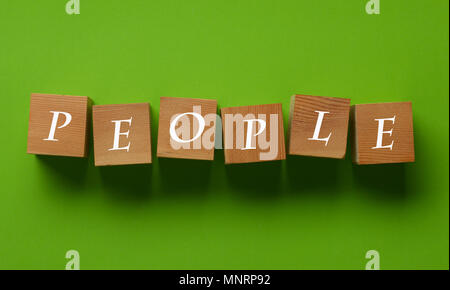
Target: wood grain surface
{"x":171,"y":107}
{"x":303,"y":120}
{"x":366,"y":133}
{"x":138,"y":138}
{"x":234,"y":152}
{"x":71,"y":139}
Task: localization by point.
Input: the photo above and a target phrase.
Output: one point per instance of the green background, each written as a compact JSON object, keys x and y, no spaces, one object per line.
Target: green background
{"x":302,"y":213}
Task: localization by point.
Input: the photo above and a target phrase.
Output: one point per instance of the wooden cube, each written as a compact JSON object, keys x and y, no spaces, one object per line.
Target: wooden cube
{"x":122,"y":134}
{"x":318,"y":126}
{"x":253,"y":133}
{"x":58,"y":125}
{"x":187,"y":128}
{"x":383,"y":133}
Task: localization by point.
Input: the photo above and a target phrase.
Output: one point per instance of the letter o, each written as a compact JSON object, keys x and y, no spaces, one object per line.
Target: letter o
{"x":201,"y":122}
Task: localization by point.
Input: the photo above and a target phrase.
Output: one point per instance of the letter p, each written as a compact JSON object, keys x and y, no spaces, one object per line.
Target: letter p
{"x":248,"y":143}
{"x":51,"y":135}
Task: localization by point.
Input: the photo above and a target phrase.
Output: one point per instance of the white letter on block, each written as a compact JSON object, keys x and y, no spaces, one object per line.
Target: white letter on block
{"x":73,"y":7}
{"x":74,"y":262}
{"x":117,"y":134}
{"x":381,"y":132}
{"x":248,"y":142}
{"x":317,"y":129}
{"x":51,"y":135}
{"x":373,"y":7}
{"x":201,"y":127}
